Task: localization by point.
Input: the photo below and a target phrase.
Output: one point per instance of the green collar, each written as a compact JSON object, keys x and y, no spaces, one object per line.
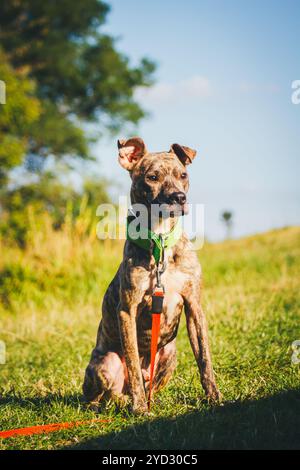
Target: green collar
{"x":149,"y":240}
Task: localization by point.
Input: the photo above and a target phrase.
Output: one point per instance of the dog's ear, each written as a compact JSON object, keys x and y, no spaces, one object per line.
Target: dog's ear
{"x":130,"y":151}
{"x":185,"y":154}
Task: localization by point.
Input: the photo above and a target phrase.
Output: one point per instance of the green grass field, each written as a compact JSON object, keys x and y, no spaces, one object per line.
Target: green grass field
{"x":50,"y":307}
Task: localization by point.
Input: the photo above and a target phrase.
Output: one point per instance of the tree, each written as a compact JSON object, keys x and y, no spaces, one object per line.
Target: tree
{"x":79,"y":74}
{"x":64,"y":78}
{"x":17,"y":116}
{"x":227,"y":219}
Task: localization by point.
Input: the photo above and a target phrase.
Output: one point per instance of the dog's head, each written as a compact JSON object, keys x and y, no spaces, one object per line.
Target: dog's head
{"x":157,"y":178}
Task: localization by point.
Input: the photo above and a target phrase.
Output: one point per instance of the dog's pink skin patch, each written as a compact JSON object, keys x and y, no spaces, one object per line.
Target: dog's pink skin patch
{"x":114,"y":369}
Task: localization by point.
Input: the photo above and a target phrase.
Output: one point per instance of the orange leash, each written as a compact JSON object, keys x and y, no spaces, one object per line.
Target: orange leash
{"x":156,"y":309}
{"x":154,"y":341}
{"x":47,"y":428}
{"x":157,"y":304}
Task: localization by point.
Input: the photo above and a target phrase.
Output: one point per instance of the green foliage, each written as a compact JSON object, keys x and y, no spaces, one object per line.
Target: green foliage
{"x":55,"y":133}
{"x":51,"y":294}
{"x":16,"y":278}
{"x":21,"y":110}
{"x":48,"y":195}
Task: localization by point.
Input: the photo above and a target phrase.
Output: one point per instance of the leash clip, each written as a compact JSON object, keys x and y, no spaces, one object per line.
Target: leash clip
{"x":159,"y":290}
{"x":162,"y":264}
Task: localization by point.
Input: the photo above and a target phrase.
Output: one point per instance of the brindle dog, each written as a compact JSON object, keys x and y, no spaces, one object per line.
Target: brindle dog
{"x":120,"y":361}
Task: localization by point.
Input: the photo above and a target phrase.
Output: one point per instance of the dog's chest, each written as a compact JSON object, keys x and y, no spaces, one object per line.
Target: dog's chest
{"x":173,"y":281}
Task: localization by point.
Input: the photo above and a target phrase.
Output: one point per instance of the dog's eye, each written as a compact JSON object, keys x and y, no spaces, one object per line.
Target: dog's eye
{"x":152,"y":177}
{"x":183,"y":176}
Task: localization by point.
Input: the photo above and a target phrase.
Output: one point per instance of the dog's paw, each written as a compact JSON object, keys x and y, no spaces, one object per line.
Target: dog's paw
{"x":139,"y":409}
{"x":212,"y":393}
{"x":214,"y":396}
{"x":121,"y":400}
{"x":93,"y":406}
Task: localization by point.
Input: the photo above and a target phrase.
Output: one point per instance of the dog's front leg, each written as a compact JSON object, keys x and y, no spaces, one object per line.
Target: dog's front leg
{"x":198,"y":335}
{"x":128,"y":331}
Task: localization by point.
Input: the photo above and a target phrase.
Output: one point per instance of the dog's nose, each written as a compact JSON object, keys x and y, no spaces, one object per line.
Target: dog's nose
{"x":179,"y":198}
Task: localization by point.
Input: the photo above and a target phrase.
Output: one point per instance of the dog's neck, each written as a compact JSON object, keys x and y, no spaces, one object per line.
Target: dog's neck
{"x":158,"y":225}
{"x":161,"y":225}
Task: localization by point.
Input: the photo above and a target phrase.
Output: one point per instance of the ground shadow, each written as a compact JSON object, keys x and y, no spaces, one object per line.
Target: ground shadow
{"x":268,"y":423}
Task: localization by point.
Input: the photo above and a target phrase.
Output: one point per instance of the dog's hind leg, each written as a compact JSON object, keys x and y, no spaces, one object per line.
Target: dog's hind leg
{"x":166,"y":366}
{"x":105,"y":376}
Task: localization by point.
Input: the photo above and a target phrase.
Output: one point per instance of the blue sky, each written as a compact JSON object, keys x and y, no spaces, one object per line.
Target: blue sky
{"x":223,"y":87}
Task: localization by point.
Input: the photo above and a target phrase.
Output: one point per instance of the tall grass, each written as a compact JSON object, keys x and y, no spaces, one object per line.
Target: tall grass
{"x":56,"y":266}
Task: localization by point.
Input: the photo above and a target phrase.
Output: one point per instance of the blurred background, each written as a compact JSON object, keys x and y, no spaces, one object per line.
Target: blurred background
{"x":213,"y":75}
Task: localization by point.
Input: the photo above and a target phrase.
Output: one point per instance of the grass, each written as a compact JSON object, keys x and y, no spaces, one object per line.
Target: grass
{"x":50,"y":307}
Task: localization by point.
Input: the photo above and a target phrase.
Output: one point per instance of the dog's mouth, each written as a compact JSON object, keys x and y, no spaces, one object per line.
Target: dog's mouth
{"x":176,"y":210}
{"x":171,"y":209}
